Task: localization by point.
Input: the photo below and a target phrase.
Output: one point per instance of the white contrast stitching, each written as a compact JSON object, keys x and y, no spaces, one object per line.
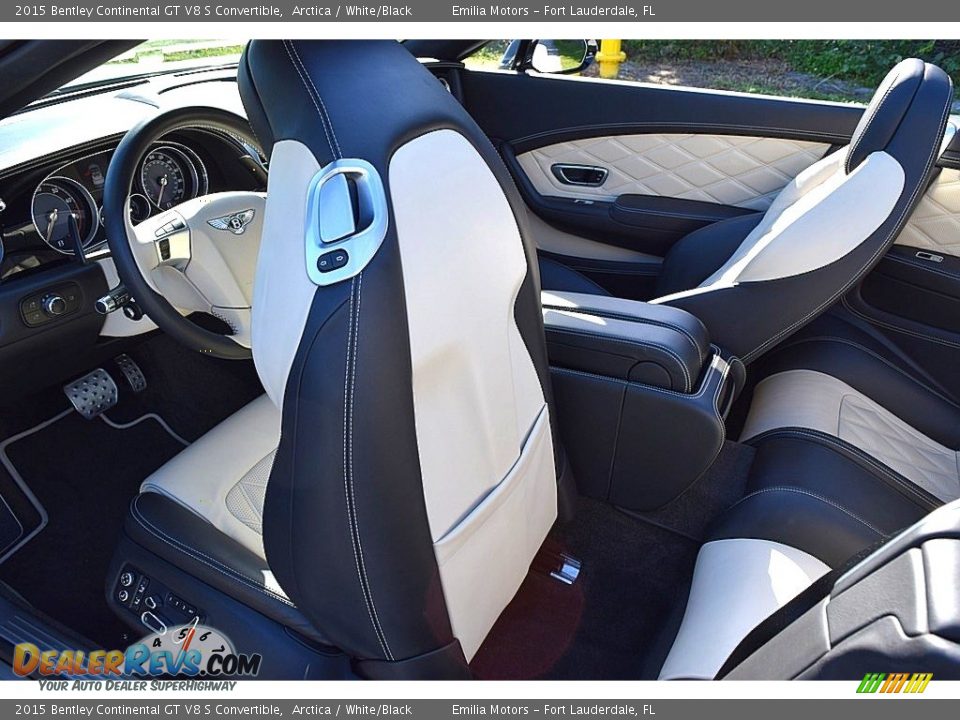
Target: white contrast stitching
{"x":873,"y":116}
{"x":801,"y":491}
{"x":882,"y":248}
{"x":199,"y":556}
{"x":614,"y":315}
{"x":868,"y":351}
{"x":901,"y":482}
{"x":683,"y":369}
{"x":349,"y":382}
{"x":291,"y":51}
{"x":897,"y":328}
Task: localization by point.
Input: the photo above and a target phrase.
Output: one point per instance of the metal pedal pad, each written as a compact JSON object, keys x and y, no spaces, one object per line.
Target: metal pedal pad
{"x":132,"y":372}
{"x":94,"y":393}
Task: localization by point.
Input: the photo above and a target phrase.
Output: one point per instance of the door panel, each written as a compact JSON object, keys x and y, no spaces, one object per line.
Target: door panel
{"x":913,"y":295}
{"x":675,"y":157}
{"x":935,"y":224}
{"x":671,"y":160}
{"x":741,"y":171}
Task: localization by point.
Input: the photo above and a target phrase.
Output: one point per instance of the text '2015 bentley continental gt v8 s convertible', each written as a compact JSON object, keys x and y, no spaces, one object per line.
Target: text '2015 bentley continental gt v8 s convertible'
{"x":363,"y":362}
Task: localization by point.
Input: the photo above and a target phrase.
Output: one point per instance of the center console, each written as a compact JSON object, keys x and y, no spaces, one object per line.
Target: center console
{"x":640,"y":395}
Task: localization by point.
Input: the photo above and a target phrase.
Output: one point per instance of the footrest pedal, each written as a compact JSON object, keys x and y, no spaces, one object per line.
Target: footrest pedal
{"x":93,"y":394}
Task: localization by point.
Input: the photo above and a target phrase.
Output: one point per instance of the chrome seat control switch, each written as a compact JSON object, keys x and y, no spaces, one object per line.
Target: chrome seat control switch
{"x":568,"y":570}
{"x":93,"y":394}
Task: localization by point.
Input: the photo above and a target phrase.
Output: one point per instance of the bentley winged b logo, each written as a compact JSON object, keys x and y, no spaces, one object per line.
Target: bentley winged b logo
{"x":235,"y":223}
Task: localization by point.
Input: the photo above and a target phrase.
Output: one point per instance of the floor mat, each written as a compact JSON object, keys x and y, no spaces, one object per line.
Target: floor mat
{"x":191,"y":391}
{"x":84,"y":474}
{"x":21,"y":515}
{"x":607,"y":624}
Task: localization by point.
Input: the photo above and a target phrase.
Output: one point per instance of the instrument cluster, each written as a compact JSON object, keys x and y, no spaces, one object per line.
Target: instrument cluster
{"x":67,"y":205}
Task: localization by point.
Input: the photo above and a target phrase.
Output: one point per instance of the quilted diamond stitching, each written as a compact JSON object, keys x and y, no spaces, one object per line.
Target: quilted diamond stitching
{"x":727,"y":169}
{"x":935,"y":224}
{"x":896,"y":444}
{"x":245,"y":499}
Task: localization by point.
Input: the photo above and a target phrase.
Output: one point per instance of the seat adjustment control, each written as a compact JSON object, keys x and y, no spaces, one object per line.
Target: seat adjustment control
{"x":333,"y":260}
{"x":154,"y":623}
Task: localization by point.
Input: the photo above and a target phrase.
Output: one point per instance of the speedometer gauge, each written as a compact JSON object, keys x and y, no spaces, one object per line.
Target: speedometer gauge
{"x":171,"y":174}
{"x":162,"y":177}
{"x":55,"y":200}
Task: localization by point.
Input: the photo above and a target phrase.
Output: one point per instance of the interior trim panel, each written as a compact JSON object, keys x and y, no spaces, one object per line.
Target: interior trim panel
{"x":734,"y":170}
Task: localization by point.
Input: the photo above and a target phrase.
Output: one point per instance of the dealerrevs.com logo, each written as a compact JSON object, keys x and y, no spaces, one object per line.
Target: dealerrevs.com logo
{"x":187,"y":651}
{"x":890,"y":683}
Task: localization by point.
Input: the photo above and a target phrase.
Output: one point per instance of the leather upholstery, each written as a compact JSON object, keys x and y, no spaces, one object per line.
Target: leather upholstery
{"x":351,"y":504}
{"x":887,"y":109}
{"x":836,"y":471}
{"x":736,"y":584}
{"x":725,"y":169}
{"x":219,"y":477}
{"x":935,"y":224}
{"x":810,"y":400}
{"x":624,"y":339}
{"x":781,"y":284}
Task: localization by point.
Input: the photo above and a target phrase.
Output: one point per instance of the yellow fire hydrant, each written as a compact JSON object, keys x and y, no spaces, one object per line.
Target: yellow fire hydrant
{"x":609,"y":58}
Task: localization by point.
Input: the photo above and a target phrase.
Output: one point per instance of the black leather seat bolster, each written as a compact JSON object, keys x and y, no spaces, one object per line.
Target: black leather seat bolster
{"x":817,"y":494}
{"x":186,"y":540}
{"x":650,"y":344}
{"x":874,"y":367}
{"x":557,"y":276}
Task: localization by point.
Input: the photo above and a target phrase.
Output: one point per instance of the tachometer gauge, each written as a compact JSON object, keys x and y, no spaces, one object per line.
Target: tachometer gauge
{"x":162,"y":176}
{"x":55,"y":200}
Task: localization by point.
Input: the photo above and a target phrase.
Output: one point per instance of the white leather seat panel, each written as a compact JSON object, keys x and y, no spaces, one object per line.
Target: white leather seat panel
{"x":813,"y":400}
{"x":482,"y":424}
{"x":736,"y":585}
{"x":282,"y":292}
{"x":222,"y":476}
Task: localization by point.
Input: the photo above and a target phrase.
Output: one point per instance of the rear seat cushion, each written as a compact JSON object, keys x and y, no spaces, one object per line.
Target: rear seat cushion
{"x":821,"y":498}
{"x":737,"y":583}
{"x":815,"y":401}
{"x":874,"y":366}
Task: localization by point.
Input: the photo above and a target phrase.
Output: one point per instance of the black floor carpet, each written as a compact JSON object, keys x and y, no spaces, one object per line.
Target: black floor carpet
{"x":85,"y":473}
{"x":619,"y":619}
{"x":603,"y":626}
{"x":190,"y":391}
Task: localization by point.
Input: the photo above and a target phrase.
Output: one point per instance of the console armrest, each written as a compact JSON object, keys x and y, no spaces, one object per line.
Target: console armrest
{"x":654,"y":345}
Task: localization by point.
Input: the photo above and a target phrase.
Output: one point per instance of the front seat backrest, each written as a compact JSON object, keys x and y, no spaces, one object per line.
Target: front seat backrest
{"x":415,"y":478}
{"x":831,"y":224}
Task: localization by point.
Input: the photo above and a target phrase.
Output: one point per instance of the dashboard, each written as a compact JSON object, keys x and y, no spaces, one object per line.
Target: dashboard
{"x":56,"y":208}
{"x":54,"y":258}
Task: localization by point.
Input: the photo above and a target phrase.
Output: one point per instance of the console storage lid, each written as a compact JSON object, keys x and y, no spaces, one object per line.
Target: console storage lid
{"x":655,"y":345}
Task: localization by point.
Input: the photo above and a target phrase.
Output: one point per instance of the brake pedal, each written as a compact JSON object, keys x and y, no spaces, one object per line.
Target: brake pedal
{"x":93,"y":394}
{"x":132,"y":372}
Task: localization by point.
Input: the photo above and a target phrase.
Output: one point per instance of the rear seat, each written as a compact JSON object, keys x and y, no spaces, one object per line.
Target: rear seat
{"x":854,"y":443}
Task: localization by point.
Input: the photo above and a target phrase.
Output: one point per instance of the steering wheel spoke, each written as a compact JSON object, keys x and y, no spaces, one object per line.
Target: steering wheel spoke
{"x":198,"y":256}
{"x":169,"y":236}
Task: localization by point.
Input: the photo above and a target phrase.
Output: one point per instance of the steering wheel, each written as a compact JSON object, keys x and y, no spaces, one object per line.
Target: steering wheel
{"x":199,"y":256}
